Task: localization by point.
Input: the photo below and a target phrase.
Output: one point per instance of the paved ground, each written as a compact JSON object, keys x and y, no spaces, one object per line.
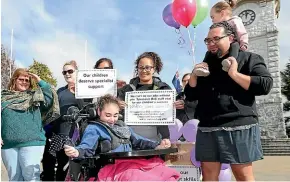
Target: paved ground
{"x":269,"y":169}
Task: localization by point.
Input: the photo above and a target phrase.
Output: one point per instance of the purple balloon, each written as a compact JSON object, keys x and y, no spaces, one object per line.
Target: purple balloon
{"x":225,"y":175}
{"x":193,"y":159}
{"x":175,"y":131}
{"x":168,"y":17}
{"x":225,"y":166}
{"x":190,"y":129}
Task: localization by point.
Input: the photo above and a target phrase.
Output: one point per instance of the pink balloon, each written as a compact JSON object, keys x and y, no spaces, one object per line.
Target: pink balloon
{"x":184,"y":11}
{"x":190,"y":129}
{"x":192,"y":158}
{"x":175,"y":131}
{"x":225,"y":175}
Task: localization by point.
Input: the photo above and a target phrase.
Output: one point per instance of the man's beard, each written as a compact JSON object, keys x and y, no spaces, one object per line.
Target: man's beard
{"x":218,"y":53}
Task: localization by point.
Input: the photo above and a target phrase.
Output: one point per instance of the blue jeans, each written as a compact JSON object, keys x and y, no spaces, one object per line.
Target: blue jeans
{"x":23,"y":164}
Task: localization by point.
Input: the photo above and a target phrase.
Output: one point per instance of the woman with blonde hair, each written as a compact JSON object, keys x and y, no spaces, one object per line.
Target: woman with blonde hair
{"x":59,"y":129}
{"x":24,"y":113}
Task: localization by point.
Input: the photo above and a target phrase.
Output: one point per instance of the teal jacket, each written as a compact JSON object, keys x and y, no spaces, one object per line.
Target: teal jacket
{"x":24,"y":128}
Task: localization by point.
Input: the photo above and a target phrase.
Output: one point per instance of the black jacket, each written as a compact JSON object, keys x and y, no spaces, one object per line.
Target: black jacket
{"x":221,"y":101}
{"x":188,"y":112}
{"x":151,"y":132}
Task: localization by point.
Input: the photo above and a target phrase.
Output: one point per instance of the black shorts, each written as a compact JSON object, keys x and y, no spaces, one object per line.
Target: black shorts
{"x":230,"y":147}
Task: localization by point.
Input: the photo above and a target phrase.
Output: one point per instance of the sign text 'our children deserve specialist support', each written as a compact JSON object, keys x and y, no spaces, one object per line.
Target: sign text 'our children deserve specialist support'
{"x":154,"y":107}
{"x":96,"y":83}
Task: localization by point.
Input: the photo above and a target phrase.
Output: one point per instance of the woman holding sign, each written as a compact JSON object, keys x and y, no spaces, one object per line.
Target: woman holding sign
{"x":106,"y":63}
{"x":147,"y":64}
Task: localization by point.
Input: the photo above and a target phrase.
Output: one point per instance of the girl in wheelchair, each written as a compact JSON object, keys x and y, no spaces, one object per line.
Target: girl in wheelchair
{"x":108,"y":134}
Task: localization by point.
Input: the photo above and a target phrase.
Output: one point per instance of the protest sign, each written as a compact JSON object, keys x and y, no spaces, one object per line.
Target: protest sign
{"x":95,"y":83}
{"x":154,"y":107}
{"x":181,"y":162}
{"x":188,"y":173}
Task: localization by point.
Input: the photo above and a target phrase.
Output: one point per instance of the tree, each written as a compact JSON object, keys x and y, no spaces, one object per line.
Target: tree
{"x":5,"y":67}
{"x":285,"y":89}
{"x":43,"y":72}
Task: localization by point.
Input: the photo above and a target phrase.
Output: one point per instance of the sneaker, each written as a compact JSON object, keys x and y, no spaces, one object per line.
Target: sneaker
{"x":201,"y":72}
{"x":226,"y":65}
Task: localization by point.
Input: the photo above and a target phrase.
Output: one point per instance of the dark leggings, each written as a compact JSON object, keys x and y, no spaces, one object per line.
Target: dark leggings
{"x":49,"y":165}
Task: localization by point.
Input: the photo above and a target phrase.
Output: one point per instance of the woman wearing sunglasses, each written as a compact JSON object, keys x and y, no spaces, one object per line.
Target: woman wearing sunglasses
{"x":24,"y":113}
{"x":66,"y":99}
{"x":147,"y":64}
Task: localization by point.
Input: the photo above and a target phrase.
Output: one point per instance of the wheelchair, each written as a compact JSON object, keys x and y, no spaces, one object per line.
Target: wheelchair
{"x":86,"y":169}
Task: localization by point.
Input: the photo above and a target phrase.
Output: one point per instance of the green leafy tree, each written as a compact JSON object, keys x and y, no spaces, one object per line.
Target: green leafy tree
{"x":285,"y":89}
{"x":5,"y":67}
{"x":43,"y":72}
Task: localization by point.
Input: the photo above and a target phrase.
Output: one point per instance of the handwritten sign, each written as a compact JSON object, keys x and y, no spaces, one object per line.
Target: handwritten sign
{"x":96,"y":83}
{"x":154,"y":107}
{"x":188,"y":173}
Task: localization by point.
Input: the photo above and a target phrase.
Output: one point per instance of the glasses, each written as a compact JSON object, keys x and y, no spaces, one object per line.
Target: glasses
{"x":183,"y":81}
{"x":214,"y":40}
{"x":68,"y":71}
{"x":23,"y":80}
{"x":146,"y":68}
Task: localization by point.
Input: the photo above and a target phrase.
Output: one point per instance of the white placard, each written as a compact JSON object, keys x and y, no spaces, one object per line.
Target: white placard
{"x":96,"y":83}
{"x":154,"y":107}
{"x":188,"y":173}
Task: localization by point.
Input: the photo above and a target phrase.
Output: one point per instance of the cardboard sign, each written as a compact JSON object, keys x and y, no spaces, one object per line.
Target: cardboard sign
{"x":188,"y":173}
{"x":95,"y":83}
{"x":154,"y":107}
{"x":181,"y":162}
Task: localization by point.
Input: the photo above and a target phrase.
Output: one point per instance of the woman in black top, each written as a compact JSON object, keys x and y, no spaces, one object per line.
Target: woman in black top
{"x":147,"y":64}
{"x":66,"y":98}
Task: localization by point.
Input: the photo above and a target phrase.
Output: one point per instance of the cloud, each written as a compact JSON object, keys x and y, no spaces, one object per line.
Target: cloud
{"x":64,"y":47}
{"x":62,"y":40}
{"x":54,"y":31}
{"x":184,"y":71}
{"x":19,"y":64}
{"x":126,"y":77}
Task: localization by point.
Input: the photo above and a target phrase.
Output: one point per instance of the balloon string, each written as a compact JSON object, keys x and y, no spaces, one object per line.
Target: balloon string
{"x":181,"y":40}
{"x":192,"y":44}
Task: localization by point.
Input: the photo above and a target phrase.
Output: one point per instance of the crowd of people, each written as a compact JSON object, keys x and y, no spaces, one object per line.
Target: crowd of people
{"x":219,"y":92}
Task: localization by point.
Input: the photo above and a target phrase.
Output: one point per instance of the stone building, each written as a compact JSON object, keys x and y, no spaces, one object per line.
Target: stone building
{"x":259,"y":18}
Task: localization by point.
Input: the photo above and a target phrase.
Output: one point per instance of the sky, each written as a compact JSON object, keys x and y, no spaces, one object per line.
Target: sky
{"x":55,"y":31}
